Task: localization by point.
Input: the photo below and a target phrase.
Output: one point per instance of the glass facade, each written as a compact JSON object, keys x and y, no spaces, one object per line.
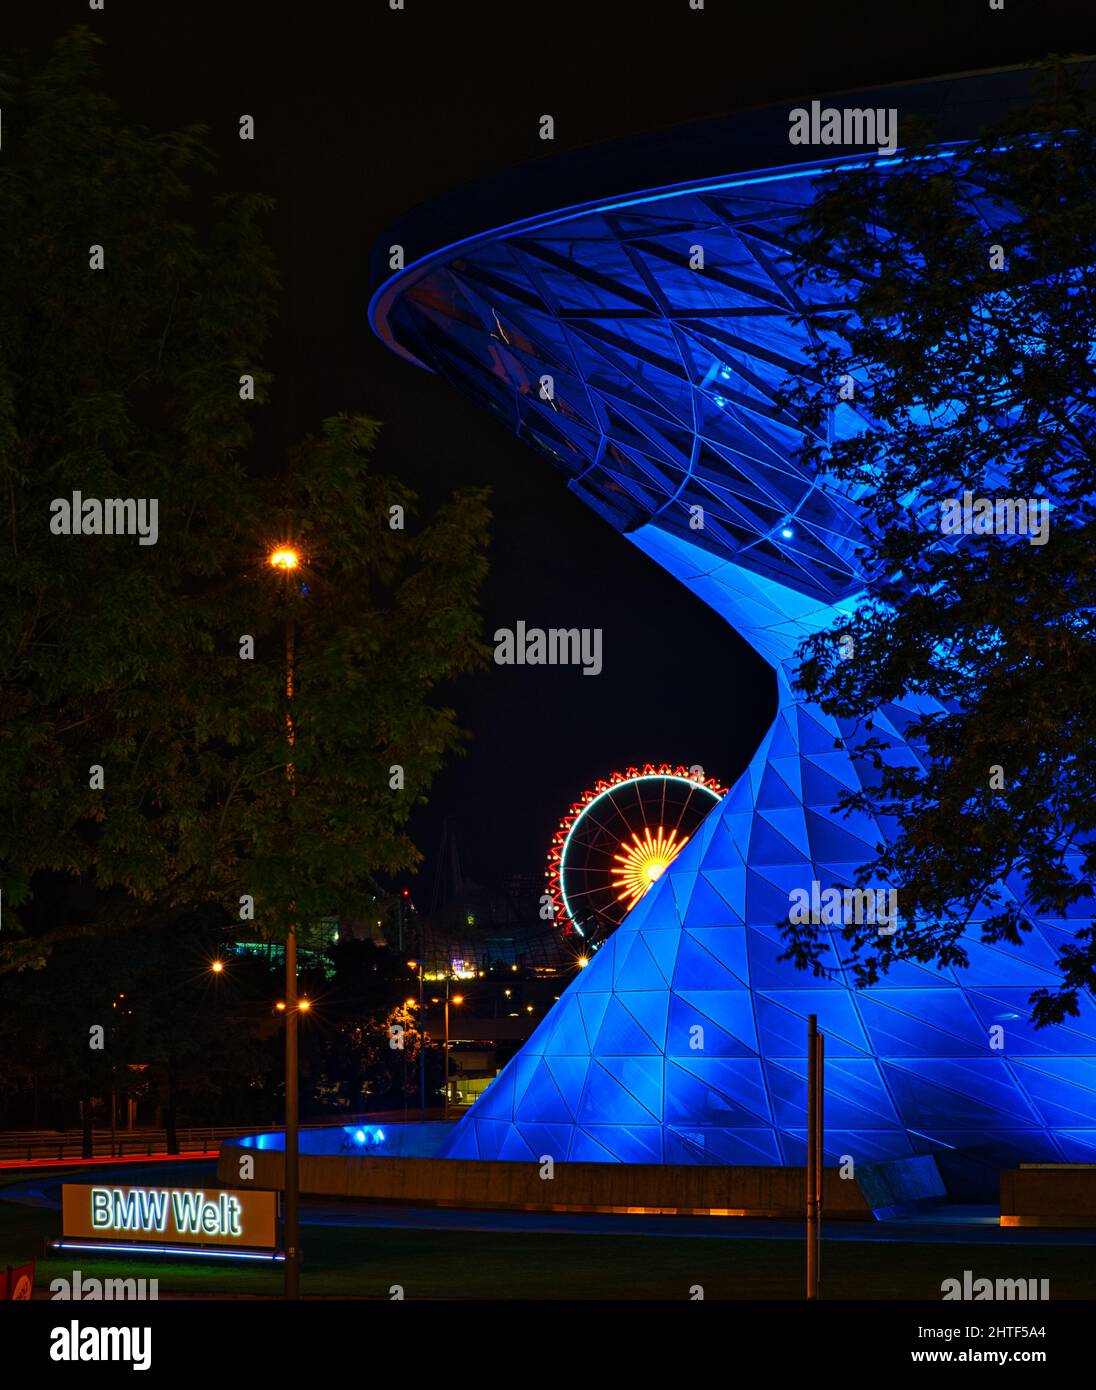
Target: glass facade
{"x":640,"y":345}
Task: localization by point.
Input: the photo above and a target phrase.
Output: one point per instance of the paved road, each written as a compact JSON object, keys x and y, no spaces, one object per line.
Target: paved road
{"x":952,"y":1226}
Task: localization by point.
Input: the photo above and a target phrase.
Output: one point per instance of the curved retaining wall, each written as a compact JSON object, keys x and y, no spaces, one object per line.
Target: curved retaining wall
{"x":624,"y":1187}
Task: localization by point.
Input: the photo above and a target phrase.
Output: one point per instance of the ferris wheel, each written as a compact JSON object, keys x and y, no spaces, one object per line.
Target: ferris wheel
{"x":619,"y":838}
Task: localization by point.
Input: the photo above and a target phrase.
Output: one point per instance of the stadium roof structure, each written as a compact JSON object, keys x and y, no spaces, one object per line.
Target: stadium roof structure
{"x":585,"y":321}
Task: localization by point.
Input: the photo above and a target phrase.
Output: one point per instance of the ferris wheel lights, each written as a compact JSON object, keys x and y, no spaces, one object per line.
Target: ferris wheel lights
{"x":599,"y":867}
{"x":643,"y":862}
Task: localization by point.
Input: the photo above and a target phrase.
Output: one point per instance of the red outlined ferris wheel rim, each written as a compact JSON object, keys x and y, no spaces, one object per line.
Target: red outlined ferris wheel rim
{"x":564,"y":914}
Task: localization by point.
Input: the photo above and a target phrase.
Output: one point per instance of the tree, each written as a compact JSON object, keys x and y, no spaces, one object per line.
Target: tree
{"x":58,"y":1037}
{"x":372,"y":1061}
{"x":364,"y":1041}
{"x":140,"y":1020}
{"x":960,"y":295}
{"x":179,"y":1014}
{"x":143,"y":752}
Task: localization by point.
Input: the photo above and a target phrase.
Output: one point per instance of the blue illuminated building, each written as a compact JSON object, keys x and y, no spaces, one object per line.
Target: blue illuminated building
{"x":661,"y":376}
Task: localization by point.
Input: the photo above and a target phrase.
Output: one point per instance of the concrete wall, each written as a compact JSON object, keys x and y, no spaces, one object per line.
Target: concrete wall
{"x":1049,"y":1195}
{"x":575,"y":1186}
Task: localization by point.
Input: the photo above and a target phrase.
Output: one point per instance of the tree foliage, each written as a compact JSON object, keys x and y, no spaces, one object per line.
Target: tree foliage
{"x":982,"y":379}
{"x":126,"y":382}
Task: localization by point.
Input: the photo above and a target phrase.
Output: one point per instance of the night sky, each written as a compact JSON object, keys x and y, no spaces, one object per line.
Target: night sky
{"x":362,"y":114}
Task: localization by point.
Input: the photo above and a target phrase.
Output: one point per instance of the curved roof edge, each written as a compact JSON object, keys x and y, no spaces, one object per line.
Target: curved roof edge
{"x":960,"y":105}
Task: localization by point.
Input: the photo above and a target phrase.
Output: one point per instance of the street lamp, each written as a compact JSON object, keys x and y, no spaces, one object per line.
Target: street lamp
{"x":420,"y":967}
{"x":456,"y":1000}
{"x":285,"y":560}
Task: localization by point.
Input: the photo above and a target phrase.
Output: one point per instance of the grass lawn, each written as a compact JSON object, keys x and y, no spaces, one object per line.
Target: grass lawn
{"x":463,"y":1264}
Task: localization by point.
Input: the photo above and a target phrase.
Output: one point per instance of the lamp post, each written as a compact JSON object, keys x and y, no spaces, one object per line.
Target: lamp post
{"x":286,"y":561}
{"x":422,"y":1043}
{"x":815,"y":1152}
{"x":457,"y":1000}
{"x":409,"y":1006}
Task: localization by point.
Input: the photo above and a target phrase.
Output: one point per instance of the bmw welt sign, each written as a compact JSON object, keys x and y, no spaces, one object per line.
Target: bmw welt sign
{"x":171,"y":1215}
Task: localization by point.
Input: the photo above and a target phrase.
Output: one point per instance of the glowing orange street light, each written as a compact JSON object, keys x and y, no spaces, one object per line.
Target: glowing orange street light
{"x":456,"y":999}
{"x":304,"y":1005}
{"x":217,"y":966}
{"x":280,"y":1006}
{"x":284,"y":559}
{"x":409,"y":1003}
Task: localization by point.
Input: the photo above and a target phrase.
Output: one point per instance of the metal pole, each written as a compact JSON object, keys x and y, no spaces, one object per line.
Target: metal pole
{"x":812,"y":1156}
{"x":422,"y":1048}
{"x":446,"y":1056}
{"x":820,"y":1156}
{"x":292,"y":1145}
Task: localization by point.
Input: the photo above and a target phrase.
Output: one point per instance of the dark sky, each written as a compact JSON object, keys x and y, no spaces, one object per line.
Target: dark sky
{"x":361,"y":114}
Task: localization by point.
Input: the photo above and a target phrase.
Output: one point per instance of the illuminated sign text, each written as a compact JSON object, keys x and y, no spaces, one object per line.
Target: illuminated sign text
{"x":193,"y":1216}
